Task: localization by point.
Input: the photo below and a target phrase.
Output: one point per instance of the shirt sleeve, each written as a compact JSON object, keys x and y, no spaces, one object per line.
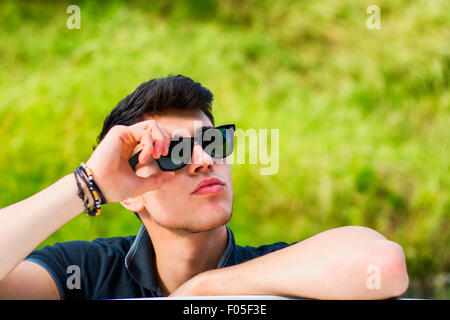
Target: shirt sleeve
{"x":79,"y":268}
{"x":57,"y":260}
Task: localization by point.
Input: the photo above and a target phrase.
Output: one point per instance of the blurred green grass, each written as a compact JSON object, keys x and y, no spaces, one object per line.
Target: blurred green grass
{"x":363,"y":114}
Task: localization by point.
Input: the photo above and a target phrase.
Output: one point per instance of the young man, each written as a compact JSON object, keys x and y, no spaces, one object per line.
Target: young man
{"x":184,"y":247}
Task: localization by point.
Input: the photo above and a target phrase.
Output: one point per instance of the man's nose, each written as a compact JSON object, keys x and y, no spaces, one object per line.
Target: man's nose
{"x":201,"y":161}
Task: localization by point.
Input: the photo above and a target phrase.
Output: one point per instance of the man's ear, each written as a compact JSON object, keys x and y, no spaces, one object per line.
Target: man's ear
{"x":133,"y":204}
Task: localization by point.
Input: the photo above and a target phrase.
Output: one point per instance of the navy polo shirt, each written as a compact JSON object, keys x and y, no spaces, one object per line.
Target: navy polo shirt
{"x":120,"y":267}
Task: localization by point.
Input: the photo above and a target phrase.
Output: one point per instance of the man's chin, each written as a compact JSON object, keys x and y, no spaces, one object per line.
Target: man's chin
{"x":207,"y":216}
{"x":213,"y":222}
{"x":206,"y":222}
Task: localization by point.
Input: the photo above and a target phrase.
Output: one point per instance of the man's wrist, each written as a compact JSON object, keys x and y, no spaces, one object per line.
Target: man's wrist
{"x":204,"y":284}
{"x":224,"y":281}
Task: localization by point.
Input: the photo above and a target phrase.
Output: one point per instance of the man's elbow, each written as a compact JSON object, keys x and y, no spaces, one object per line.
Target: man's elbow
{"x":394,"y":275}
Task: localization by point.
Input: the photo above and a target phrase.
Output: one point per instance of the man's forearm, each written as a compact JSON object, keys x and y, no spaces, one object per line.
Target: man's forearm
{"x":24,"y":225}
{"x":342,"y":263}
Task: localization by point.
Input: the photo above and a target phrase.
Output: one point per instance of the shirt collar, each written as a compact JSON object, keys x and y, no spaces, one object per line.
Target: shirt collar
{"x":139,"y":259}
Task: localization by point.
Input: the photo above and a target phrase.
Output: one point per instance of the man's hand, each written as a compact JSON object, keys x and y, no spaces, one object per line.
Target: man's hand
{"x":188,"y":289}
{"x":109,"y":162}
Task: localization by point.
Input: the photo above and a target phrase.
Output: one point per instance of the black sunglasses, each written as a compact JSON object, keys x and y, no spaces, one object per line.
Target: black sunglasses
{"x":218,"y":142}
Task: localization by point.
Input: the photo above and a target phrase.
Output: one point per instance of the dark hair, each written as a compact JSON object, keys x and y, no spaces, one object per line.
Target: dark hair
{"x":158,"y":95}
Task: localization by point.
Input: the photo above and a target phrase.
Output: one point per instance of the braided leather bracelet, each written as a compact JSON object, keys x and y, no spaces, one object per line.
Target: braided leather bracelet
{"x":84,"y":168}
{"x":85,"y":174}
{"x":80,"y":192}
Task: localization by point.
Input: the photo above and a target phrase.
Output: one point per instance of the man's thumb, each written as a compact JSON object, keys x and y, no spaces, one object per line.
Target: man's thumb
{"x":156,"y":180}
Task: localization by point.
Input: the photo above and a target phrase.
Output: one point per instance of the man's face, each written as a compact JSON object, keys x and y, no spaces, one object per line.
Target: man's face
{"x":177,"y":205}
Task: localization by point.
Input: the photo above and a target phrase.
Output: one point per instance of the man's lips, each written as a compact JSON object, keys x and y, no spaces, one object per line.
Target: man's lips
{"x":212,"y":189}
{"x":209,"y":186}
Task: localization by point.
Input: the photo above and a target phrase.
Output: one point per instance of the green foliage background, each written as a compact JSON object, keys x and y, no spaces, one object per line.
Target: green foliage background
{"x":363,"y":114}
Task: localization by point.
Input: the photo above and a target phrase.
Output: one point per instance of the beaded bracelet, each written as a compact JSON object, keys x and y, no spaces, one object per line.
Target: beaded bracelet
{"x":89,"y":211}
{"x":85,"y":174}
{"x":95,"y":192}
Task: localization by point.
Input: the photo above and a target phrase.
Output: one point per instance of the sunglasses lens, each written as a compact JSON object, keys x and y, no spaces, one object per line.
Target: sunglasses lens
{"x":219,"y":142}
{"x":179,"y":155}
{"x":166,"y":164}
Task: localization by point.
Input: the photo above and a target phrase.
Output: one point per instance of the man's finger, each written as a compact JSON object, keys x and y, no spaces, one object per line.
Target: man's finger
{"x":159,"y":139}
{"x":168,"y":135}
{"x":147,"y":146}
{"x":155,"y":139}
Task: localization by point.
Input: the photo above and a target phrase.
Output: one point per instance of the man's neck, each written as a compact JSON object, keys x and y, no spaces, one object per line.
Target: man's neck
{"x":180,"y":255}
